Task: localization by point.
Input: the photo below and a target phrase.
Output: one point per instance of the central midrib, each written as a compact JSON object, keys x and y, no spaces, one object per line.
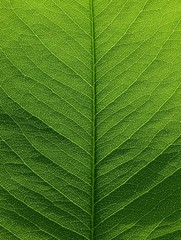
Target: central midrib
{"x":93,"y":116}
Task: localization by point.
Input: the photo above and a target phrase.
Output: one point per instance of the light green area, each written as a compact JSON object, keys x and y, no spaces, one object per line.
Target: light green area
{"x":90,"y":119}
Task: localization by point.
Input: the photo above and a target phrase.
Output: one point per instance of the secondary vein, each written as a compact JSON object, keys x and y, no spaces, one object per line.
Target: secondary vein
{"x":93,"y":117}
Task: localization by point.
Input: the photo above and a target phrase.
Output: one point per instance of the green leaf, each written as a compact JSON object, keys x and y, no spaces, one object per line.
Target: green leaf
{"x":90,"y":120}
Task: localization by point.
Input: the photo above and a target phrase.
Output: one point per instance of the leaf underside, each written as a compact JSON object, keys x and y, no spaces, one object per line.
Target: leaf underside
{"x":90,"y":119}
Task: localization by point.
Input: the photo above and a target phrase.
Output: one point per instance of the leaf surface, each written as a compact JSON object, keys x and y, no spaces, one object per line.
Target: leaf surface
{"x":90,"y":120}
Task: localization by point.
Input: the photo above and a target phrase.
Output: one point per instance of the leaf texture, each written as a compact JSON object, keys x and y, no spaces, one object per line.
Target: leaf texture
{"x":90,"y":120}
